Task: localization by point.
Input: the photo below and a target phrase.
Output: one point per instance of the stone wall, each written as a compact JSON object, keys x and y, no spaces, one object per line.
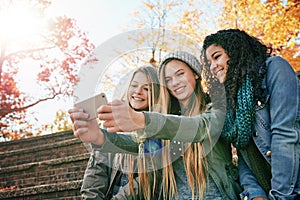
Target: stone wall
{"x":43,"y":167}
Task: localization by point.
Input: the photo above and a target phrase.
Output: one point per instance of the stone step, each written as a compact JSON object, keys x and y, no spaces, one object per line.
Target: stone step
{"x":65,"y":190}
{"x":34,"y":141}
{"x":69,"y":168}
{"x":43,"y":167}
{"x":42,"y":152}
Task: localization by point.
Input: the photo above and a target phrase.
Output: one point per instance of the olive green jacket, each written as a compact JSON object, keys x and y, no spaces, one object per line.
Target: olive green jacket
{"x":204,"y":128}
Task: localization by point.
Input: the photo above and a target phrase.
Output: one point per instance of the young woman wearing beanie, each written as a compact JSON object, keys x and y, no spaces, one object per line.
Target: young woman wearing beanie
{"x":201,"y":169}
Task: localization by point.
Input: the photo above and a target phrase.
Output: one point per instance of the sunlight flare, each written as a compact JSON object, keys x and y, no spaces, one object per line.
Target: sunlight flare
{"x":19,"y":22}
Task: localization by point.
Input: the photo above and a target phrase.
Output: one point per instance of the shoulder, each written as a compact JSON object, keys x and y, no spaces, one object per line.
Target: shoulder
{"x":278,"y":66}
{"x":277,"y":62}
{"x":275,"y":59}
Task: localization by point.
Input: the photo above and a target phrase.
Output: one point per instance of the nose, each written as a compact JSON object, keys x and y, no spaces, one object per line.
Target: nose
{"x":139,"y":89}
{"x":175,"y":81}
{"x":213,"y":66}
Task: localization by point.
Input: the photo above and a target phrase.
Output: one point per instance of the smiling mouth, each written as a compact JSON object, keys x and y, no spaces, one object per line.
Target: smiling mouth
{"x":218,"y":72}
{"x":179,"y":90}
{"x":137,"y":98}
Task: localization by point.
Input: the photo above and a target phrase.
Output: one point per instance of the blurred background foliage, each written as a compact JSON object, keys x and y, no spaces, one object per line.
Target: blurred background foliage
{"x":55,"y":47}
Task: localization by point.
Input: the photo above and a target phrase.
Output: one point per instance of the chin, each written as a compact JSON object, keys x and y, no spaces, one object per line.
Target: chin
{"x":221,"y":79}
{"x":183,"y":96}
{"x":139,"y":107}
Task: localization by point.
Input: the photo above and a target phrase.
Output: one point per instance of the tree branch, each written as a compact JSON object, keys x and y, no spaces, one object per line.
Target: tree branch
{"x":5,"y":111}
{"x":27,"y":51}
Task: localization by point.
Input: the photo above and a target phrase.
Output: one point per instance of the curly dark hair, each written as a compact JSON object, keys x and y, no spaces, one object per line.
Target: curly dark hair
{"x":247,"y":56}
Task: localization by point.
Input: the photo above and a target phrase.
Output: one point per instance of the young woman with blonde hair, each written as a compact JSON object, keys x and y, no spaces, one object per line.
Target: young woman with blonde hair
{"x":114,"y":175}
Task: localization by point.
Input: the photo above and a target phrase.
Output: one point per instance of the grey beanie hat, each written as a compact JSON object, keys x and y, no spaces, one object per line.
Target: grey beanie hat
{"x":186,"y":57}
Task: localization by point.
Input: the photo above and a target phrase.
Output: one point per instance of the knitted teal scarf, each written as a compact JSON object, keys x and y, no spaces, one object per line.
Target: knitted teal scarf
{"x":238,"y":131}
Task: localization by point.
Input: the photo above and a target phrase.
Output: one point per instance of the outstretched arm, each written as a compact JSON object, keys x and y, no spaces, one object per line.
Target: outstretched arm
{"x":120,"y":117}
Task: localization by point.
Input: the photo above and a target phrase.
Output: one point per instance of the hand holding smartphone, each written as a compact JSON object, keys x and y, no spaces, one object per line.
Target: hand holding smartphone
{"x":91,"y":104}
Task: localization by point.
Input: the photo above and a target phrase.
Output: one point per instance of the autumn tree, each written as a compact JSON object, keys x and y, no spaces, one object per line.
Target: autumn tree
{"x":196,"y":19}
{"x":49,"y":48}
{"x":156,"y":15}
{"x":61,"y":122}
{"x":275,"y":22}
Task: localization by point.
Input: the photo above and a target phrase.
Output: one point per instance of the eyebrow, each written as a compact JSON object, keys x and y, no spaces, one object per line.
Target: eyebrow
{"x":181,"y":69}
{"x":214,"y":53}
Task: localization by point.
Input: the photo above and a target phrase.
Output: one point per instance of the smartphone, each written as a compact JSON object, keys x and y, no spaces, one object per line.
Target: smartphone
{"x":91,"y":104}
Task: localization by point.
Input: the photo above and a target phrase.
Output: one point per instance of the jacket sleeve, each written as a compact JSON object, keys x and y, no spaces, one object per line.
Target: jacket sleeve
{"x":284,"y":89}
{"x":97,"y":176}
{"x":185,"y":129}
{"x":205,"y":127}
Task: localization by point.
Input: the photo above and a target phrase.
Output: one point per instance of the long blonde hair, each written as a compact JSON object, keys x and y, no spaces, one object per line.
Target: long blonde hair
{"x":195,"y":163}
{"x":145,"y":188}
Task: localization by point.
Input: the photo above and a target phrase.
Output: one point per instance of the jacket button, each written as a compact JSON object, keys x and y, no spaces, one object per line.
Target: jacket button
{"x":259,"y":103}
{"x":256,"y":134}
{"x":268,"y":153}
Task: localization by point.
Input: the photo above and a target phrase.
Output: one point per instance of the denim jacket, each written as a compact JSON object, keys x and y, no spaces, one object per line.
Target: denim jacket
{"x":277,"y":134}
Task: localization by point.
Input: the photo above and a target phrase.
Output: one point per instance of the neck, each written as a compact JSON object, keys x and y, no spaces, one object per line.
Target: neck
{"x":184,"y":103}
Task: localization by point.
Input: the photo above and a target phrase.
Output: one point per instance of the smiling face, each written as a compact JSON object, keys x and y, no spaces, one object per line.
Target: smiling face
{"x":180,"y":80}
{"x":218,"y":59}
{"x":138,"y":92}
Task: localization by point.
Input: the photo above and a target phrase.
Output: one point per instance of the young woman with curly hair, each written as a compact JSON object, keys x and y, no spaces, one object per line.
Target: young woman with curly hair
{"x":262,"y":117}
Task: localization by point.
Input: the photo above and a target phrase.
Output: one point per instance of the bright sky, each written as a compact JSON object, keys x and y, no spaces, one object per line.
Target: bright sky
{"x":101,"y":19}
